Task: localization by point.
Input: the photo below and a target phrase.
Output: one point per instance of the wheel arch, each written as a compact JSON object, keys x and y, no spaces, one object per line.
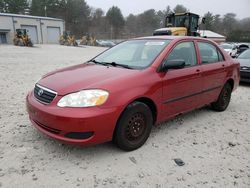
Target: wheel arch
{"x":118,"y":137}
{"x":231,"y":82}
{"x":149,"y":102}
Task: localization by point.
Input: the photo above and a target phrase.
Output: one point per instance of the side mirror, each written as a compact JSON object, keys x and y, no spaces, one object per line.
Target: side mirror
{"x":203,"y":20}
{"x":172,"y":64}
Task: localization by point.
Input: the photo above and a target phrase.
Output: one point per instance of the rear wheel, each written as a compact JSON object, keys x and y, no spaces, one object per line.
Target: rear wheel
{"x":15,"y":41}
{"x":133,"y":127}
{"x":75,"y":43}
{"x":67,"y":43}
{"x":224,"y":98}
{"x":30,"y":44}
{"x":20,"y":43}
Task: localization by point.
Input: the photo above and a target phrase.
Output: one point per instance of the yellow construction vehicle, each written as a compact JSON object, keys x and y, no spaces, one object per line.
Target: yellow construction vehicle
{"x":88,"y":40}
{"x":22,"y":38}
{"x":68,"y":39}
{"x":181,"y":24}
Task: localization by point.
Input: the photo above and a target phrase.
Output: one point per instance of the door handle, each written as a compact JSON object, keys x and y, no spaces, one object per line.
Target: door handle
{"x":223,"y":65}
{"x":198,"y":70}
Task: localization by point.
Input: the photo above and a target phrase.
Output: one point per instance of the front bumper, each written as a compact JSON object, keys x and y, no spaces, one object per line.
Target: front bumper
{"x":80,"y":126}
{"x":245,"y":75}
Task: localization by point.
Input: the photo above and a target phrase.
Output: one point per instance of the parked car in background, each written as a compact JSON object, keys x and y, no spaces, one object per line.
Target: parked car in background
{"x":231,"y":49}
{"x":244,"y":59}
{"x":121,"y":93}
{"x":105,"y":43}
{"x":241,"y":48}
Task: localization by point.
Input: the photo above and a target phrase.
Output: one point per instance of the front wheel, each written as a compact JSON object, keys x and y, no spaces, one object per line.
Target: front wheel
{"x":75,"y":43}
{"x":224,"y":98}
{"x":30,"y":44}
{"x":133,"y":127}
{"x":20,"y":43}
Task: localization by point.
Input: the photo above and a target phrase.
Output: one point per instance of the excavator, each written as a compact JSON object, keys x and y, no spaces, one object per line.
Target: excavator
{"x":181,"y":24}
{"x":22,"y":38}
{"x":68,"y":39}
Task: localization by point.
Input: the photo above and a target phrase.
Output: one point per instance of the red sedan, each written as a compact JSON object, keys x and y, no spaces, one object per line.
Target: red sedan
{"x":122,"y":92}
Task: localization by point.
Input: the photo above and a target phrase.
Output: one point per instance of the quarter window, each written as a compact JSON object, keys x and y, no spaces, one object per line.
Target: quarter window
{"x":209,"y":53}
{"x":184,"y":51}
{"x":221,"y":58}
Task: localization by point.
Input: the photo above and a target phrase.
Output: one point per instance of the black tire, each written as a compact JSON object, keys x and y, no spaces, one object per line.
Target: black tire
{"x":15,"y":41}
{"x":20,"y":43}
{"x":134,"y":126}
{"x":30,"y":44}
{"x":224,"y":99}
{"x":67,"y":43}
{"x":75,"y":44}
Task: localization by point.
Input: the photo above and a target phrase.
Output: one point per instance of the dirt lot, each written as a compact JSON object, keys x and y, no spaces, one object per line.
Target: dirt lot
{"x":214,"y":146}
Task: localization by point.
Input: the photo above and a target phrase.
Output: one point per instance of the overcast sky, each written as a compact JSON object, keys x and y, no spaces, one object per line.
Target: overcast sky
{"x":240,"y":7}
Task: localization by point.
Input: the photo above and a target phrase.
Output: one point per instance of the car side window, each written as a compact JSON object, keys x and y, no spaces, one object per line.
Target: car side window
{"x":221,"y":57}
{"x":184,"y":51}
{"x":209,"y":53}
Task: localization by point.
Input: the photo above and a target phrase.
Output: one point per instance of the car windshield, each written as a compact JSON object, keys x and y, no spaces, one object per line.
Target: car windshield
{"x":136,"y":54}
{"x":226,"y":46}
{"x":245,"y":55}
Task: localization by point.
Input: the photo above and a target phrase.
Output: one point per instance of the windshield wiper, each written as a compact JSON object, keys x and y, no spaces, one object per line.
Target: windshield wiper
{"x":94,"y":61}
{"x":114,"y":64}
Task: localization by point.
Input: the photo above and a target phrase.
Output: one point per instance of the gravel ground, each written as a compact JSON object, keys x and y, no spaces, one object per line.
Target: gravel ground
{"x":214,"y":146}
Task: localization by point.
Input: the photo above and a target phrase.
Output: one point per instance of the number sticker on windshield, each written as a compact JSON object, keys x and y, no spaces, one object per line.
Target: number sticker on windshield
{"x":154,"y":43}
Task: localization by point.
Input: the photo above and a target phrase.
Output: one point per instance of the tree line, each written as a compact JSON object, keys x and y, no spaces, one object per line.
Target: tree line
{"x":81,"y":19}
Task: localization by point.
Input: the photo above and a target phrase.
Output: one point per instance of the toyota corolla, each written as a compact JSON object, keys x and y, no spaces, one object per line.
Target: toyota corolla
{"x":120,"y":94}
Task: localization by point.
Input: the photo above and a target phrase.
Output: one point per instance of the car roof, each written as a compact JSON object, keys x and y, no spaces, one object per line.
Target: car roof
{"x":170,"y":37}
{"x":225,"y":44}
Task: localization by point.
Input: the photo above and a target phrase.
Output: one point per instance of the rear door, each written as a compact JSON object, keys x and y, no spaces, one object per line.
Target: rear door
{"x":214,"y":71}
{"x":182,"y":87}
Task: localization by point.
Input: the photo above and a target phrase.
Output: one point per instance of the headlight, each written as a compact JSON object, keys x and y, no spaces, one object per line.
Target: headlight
{"x":84,"y":98}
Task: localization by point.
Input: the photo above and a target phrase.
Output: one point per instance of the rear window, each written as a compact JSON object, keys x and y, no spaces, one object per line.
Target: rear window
{"x":209,"y":53}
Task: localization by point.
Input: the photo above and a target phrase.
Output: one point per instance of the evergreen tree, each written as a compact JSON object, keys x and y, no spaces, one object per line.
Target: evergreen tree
{"x":116,"y":20}
{"x":48,"y":8}
{"x":76,"y":13}
{"x":13,"y":6}
{"x":180,"y":9}
{"x":209,"y":21}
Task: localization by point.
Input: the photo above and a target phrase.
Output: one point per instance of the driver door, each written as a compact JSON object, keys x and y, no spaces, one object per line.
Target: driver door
{"x":182,"y":87}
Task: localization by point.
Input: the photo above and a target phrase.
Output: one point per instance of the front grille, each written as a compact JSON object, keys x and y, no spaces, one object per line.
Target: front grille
{"x":43,"y":94}
{"x":79,"y":135}
{"x":245,"y":74}
{"x":49,"y":129}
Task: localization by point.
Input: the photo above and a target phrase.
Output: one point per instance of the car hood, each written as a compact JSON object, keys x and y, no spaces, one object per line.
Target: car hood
{"x":244,"y":62}
{"x":84,"y":76}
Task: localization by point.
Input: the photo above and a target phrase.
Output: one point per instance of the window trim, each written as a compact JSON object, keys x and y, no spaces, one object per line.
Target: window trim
{"x":217,"y":50}
{"x":173,"y":47}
